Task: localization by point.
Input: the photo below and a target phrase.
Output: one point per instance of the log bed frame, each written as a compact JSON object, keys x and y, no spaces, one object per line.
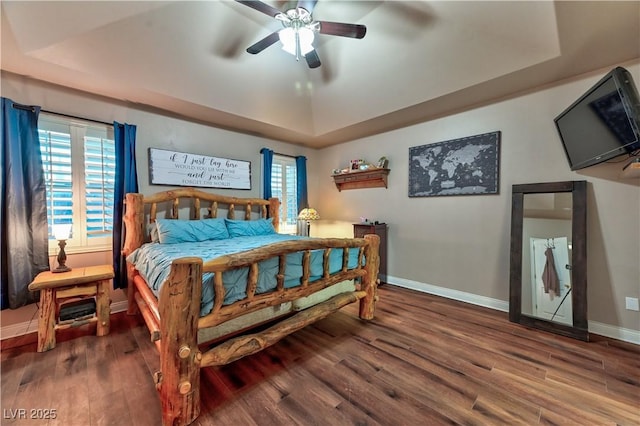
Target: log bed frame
{"x":174,"y":318}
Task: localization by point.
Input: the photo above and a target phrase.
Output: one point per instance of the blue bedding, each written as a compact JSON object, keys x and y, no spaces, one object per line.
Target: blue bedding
{"x":153,"y":262}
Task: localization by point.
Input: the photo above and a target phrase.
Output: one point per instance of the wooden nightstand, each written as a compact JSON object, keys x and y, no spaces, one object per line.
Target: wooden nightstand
{"x":380,"y":229}
{"x":57,"y":288}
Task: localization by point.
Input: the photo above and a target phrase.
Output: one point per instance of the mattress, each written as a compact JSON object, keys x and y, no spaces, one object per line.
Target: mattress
{"x":153,"y":262}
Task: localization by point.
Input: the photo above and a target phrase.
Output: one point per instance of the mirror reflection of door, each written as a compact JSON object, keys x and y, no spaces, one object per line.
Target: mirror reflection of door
{"x":546,"y":244}
{"x":551,"y":278}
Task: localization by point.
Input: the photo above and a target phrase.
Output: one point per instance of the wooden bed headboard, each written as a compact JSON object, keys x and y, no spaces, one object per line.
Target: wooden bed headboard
{"x":174,"y":201}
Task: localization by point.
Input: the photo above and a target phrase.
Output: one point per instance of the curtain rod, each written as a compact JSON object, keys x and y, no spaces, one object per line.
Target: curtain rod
{"x":76,"y":117}
{"x":282,"y":155}
{"x":286,"y":155}
{"x":31,"y":108}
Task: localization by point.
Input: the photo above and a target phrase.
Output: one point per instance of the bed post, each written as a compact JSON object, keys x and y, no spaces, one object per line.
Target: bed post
{"x":134,"y":237}
{"x":274,"y":212}
{"x":370,"y":280}
{"x":179,"y":379}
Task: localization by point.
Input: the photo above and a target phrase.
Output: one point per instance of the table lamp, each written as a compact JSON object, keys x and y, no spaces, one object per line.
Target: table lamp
{"x":308,"y":215}
{"x":61,"y":232}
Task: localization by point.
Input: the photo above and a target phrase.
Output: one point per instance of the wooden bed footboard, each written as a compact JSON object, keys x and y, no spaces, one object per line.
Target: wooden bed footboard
{"x":174,"y":318}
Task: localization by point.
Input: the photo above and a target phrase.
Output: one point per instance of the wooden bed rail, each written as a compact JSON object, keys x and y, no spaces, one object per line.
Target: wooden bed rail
{"x":242,"y":346}
{"x":253,"y":302}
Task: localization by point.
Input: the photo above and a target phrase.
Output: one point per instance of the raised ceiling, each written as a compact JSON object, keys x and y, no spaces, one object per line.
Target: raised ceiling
{"x":419,"y":59}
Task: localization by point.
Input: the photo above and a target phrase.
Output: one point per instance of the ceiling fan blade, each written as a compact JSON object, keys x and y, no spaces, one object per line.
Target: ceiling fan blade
{"x":343,"y":30}
{"x":264,"y":43}
{"x":309,"y":5}
{"x":313,"y":60}
{"x":260,"y":7}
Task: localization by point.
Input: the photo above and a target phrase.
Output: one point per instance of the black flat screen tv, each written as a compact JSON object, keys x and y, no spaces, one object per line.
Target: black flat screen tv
{"x":603,"y":123}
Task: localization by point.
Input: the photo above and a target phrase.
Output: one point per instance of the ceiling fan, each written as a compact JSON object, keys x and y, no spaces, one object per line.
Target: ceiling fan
{"x":299,"y":30}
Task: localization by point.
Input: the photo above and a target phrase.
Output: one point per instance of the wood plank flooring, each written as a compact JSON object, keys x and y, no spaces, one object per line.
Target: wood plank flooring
{"x":423,"y":360}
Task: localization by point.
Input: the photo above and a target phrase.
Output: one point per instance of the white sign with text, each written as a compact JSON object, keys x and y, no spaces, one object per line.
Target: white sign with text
{"x":182,"y":169}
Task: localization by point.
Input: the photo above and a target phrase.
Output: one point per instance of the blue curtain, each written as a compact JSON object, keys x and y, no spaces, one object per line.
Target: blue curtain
{"x":24,"y":239}
{"x":301,"y":176}
{"x":126,"y":181}
{"x":267,"y":163}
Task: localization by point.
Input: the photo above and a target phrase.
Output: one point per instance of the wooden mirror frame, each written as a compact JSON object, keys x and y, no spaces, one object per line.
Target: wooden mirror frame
{"x":580,"y":328}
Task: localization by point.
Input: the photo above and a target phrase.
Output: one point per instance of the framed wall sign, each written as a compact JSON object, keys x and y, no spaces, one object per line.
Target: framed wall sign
{"x":182,"y":169}
{"x":464,"y":166}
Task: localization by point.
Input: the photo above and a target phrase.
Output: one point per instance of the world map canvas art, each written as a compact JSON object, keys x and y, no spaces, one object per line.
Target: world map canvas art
{"x":465,"y":166}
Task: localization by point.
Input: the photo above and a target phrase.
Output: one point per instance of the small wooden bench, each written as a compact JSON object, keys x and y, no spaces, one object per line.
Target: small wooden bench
{"x":57,"y":288}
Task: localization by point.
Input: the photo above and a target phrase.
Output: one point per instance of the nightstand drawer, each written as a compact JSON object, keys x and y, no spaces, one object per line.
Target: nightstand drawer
{"x":85,"y":290}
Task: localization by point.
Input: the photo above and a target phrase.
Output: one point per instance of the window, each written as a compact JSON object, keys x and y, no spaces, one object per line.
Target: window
{"x":283,"y":186}
{"x":79,"y":162}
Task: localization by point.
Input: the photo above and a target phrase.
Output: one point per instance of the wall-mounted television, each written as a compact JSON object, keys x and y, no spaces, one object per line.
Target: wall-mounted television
{"x":603,"y":123}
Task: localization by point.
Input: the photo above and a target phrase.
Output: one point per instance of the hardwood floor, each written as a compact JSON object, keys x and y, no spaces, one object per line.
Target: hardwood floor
{"x":423,"y":360}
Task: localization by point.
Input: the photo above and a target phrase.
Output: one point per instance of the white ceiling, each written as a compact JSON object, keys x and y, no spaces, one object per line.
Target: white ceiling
{"x":419,"y":59}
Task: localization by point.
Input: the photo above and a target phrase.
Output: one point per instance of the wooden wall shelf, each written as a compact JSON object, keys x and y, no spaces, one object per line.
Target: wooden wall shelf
{"x":374,"y":178}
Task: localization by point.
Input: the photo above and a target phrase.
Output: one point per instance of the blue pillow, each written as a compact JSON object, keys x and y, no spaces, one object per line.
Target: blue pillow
{"x":250,"y":228}
{"x":172,"y":231}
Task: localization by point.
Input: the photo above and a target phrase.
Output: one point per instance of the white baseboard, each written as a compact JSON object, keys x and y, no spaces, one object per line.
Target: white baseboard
{"x":474,"y":299}
{"x":615,"y":332}
{"x":611,"y":331}
{"x":26,"y":327}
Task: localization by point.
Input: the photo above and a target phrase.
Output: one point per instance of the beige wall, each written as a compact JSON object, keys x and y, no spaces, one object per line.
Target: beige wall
{"x":461,"y":242}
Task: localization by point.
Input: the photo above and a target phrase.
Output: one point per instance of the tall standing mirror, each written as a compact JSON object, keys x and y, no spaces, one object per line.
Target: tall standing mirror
{"x":548,"y":278}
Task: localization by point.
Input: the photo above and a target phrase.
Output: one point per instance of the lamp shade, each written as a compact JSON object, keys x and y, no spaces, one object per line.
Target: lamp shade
{"x":306,"y":40}
{"x":309,"y":214}
{"x":288,"y":39}
{"x":62,"y":231}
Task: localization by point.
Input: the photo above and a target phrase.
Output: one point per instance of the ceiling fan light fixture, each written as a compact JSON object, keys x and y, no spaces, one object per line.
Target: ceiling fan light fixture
{"x":296,"y":41}
{"x":299,"y":30}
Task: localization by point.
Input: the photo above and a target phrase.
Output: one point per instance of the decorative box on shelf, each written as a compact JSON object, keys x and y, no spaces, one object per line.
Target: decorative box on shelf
{"x":371,"y":178}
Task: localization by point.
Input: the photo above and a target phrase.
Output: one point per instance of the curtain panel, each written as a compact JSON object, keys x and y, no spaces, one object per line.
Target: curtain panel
{"x":301,"y":182}
{"x":267,"y":163}
{"x":126,"y":181}
{"x":24,"y":236}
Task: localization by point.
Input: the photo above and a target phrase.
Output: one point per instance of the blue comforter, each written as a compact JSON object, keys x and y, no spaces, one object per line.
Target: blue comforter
{"x":153,"y":262}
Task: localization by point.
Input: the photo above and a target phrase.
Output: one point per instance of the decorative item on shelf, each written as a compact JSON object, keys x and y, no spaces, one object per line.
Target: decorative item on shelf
{"x":383,"y":163}
{"x":308,"y":214}
{"x":355,"y":165}
{"x":61,"y":232}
